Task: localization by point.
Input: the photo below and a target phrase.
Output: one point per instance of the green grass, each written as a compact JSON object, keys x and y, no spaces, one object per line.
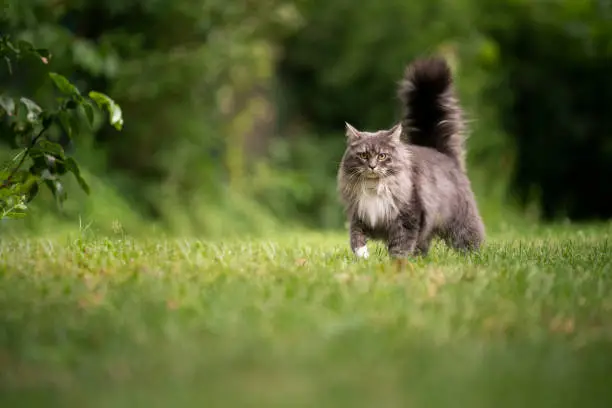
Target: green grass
{"x":295,"y":321}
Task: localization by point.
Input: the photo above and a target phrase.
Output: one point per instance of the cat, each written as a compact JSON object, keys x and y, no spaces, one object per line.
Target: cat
{"x":408,"y":184}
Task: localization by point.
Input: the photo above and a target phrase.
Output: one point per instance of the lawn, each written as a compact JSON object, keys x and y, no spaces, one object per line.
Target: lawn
{"x":296,"y":321}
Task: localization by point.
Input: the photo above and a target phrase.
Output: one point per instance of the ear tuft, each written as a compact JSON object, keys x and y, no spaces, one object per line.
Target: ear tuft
{"x":351,"y":132}
{"x":396,"y":132}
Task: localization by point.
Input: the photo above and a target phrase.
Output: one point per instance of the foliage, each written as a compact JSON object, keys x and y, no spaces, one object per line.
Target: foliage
{"x":533,"y":76}
{"x":236,"y":109}
{"x":29,"y":128}
{"x":553,"y":94}
{"x":344,"y":63}
{"x":192,"y":83}
{"x":293,"y":318}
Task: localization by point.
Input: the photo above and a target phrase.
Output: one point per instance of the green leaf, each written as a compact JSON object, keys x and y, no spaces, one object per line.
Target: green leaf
{"x":73,"y":167}
{"x":71,"y":104}
{"x":64,"y":118}
{"x":52,"y":148}
{"x":114,"y":111}
{"x":14,"y":214}
{"x":8,"y":104}
{"x":57,"y":189}
{"x":64,"y":85}
{"x":9,"y":44}
{"x":20,"y":177}
{"x":9,"y":66}
{"x":32,"y":192}
{"x":25,"y":46}
{"x":5,"y":192}
{"x":89,"y":112}
{"x":75,"y":124}
{"x":36,"y":152}
{"x":33,"y":110}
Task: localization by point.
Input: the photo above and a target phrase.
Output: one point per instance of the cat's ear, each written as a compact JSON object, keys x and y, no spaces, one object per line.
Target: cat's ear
{"x":351,"y":132}
{"x":395,"y":132}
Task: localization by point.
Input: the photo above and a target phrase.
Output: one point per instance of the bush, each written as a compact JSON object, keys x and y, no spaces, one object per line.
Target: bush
{"x":556,"y":60}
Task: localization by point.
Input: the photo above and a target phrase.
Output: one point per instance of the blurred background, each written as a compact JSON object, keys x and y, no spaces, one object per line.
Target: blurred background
{"x":234,"y":109}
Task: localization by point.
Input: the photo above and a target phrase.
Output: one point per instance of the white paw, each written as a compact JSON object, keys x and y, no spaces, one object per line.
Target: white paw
{"x":362,"y":252}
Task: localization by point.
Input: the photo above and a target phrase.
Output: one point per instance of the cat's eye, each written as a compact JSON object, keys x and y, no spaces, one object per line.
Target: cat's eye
{"x":382,"y":156}
{"x":362,"y":155}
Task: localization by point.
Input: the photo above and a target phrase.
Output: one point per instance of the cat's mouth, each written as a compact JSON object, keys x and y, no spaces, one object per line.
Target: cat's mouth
{"x":372,"y":174}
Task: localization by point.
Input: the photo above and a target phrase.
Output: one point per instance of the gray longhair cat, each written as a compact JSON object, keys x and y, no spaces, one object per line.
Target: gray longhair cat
{"x":408,"y":184}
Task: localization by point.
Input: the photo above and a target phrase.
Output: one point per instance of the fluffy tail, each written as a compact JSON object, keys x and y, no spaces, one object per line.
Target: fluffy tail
{"x":432,"y":115}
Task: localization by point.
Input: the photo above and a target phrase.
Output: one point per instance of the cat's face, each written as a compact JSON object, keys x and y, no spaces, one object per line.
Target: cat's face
{"x":373,"y":155}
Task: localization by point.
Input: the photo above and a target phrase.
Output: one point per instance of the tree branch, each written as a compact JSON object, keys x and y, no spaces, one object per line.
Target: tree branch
{"x":7,"y":182}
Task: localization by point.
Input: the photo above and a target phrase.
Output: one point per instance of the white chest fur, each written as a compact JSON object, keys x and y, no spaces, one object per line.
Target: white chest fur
{"x":375,"y":205}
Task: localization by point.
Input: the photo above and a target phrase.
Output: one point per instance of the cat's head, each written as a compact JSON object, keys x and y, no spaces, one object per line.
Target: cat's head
{"x":373,"y":155}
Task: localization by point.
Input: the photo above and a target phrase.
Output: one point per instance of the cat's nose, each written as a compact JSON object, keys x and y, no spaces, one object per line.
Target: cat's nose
{"x":372,"y":166}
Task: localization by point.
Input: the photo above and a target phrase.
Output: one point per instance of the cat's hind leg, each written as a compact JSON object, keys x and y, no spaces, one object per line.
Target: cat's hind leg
{"x":465,"y":234}
{"x":403,"y":238}
{"x":422,"y":246}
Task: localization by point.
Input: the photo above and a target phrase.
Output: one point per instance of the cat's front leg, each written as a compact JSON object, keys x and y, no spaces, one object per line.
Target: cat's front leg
{"x":358,"y":239}
{"x":402,"y":240}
